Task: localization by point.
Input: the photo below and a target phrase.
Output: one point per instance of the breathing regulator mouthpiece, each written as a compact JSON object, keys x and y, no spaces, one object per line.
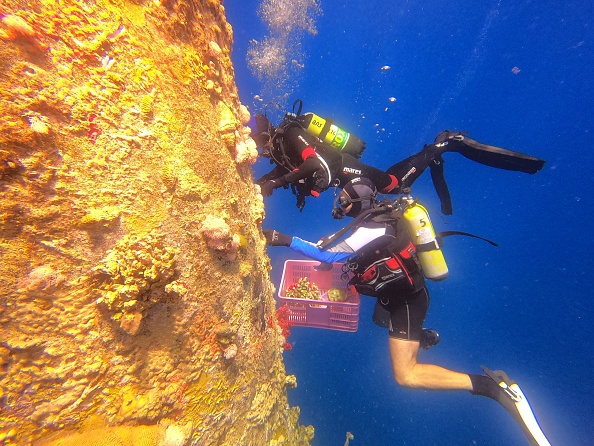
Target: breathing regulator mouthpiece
{"x":337,"y":213}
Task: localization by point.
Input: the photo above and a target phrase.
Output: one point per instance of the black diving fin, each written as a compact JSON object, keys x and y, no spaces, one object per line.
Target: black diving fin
{"x":408,"y":170}
{"x":440,"y":185}
{"x":498,"y":157}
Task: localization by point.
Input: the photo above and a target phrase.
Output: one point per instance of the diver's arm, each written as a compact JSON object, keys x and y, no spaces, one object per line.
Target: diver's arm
{"x":275,"y":173}
{"x":337,"y":253}
{"x":305,"y":170}
{"x":342,"y":250}
{"x":300,"y":147}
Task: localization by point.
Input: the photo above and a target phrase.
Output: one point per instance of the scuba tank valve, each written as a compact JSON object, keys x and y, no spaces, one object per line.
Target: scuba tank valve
{"x":423,"y":237}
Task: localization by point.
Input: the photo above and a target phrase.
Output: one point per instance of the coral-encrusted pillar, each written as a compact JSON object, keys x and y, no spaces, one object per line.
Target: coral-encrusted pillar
{"x":136,"y":306}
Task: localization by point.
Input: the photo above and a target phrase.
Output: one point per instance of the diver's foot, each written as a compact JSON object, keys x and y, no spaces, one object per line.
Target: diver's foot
{"x":429,"y":338}
{"x":449,"y":135}
{"x":448,"y":141}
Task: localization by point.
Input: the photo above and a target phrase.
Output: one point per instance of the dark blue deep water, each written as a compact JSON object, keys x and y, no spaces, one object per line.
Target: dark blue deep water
{"x":525,"y":307}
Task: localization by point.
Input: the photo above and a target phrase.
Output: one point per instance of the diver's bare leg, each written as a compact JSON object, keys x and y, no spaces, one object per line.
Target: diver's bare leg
{"x":409,"y":373}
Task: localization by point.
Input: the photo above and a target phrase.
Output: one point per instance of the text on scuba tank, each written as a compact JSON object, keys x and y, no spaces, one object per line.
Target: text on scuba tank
{"x":425,"y":235}
{"x":339,"y":138}
{"x":317,"y":123}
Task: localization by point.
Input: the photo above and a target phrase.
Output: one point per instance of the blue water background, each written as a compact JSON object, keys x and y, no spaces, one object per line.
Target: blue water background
{"x":524,"y":307}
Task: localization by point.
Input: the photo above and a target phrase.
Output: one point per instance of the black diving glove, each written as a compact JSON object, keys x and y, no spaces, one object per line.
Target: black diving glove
{"x":300,"y":202}
{"x":275,"y":238}
{"x":268,"y":186}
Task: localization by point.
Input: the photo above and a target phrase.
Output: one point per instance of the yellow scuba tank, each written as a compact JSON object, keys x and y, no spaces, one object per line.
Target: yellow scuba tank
{"x":332,"y":135}
{"x":422,"y":234}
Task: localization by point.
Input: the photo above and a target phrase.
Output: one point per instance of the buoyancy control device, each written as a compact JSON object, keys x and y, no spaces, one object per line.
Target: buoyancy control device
{"x":389,"y":261}
{"x":419,"y":227}
{"x":325,"y":130}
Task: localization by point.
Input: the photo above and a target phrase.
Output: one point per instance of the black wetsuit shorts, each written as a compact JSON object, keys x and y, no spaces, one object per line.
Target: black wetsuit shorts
{"x":403,"y":315}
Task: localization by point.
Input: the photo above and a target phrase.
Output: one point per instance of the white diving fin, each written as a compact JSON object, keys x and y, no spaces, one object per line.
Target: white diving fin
{"x":525,"y":416}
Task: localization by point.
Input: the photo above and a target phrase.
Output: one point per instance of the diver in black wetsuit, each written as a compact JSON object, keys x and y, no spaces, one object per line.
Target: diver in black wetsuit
{"x":310,"y":167}
{"x":383,"y":263}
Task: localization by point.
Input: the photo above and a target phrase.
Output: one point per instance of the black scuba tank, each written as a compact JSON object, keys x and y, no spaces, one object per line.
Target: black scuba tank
{"x":325,"y":130}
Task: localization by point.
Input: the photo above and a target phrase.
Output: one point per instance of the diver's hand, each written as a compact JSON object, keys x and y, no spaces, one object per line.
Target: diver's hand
{"x":275,"y":238}
{"x":323,"y":267}
{"x":268,"y":186}
{"x":300,"y":202}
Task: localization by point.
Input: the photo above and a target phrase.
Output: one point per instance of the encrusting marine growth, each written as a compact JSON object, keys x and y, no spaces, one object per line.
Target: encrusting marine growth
{"x":135,"y":281}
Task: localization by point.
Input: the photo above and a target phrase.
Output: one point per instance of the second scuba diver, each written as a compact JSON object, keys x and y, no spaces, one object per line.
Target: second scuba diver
{"x":382,"y":262}
{"x":310,"y":166}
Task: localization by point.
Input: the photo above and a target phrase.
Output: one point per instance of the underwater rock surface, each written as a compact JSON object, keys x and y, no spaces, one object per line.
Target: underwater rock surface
{"x":136,"y":304}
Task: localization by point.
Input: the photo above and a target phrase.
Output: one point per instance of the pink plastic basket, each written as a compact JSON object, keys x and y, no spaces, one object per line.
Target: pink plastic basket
{"x":343,"y":316}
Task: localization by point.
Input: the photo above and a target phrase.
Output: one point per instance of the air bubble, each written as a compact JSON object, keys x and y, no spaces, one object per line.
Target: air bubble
{"x":277,"y":59}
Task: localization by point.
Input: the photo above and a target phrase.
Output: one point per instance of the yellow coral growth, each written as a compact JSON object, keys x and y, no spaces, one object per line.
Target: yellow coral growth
{"x":90,"y":124}
{"x":114,"y":436}
{"x":190,"y":186}
{"x":104,"y":216}
{"x":245,"y":269}
{"x":258,"y":210}
{"x":146,"y":104}
{"x":156,"y":435}
{"x":133,"y":276}
{"x":227,"y":121}
{"x":169,"y":176}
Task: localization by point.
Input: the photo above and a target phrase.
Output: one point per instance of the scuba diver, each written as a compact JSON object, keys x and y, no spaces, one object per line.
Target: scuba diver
{"x":382,"y":261}
{"x":309,"y":159}
{"x":307,"y":164}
